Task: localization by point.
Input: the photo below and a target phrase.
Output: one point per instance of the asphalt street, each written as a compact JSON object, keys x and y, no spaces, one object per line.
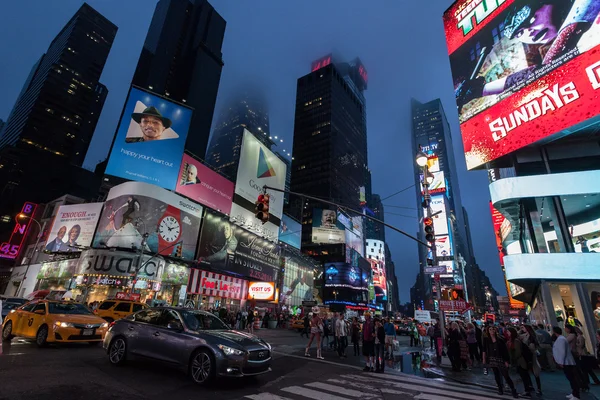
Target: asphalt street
{"x":83,"y":372}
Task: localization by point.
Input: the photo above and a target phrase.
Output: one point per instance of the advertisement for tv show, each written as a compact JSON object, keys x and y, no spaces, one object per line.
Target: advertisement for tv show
{"x":150,"y":139}
{"x":133,"y":210}
{"x":523,"y":70}
{"x":227,"y":247}
{"x":73,"y":227}
{"x":203,"y":185}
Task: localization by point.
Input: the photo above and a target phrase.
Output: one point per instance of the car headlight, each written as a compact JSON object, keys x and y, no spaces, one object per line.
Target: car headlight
{"x":104,"y":325}
{"x":64,"y":324}
{"x":229,"y":351}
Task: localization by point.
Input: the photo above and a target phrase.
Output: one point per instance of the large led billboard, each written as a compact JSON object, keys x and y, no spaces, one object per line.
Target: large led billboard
{"x":440,"y":219}
{"x":298,"y":281}
{"x":438,"y":185}
{"x":135,"y":211}
{"x":523,"y":70}
{"x":290,"y":231}
{"x":326,"y":228}
{"x":73,"y":227}
{"x":203,"y":185}
{"x":376,"y":256}
{"x":150,"y":140}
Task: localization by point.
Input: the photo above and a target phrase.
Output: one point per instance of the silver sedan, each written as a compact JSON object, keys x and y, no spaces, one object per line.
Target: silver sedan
{"x":195,"y":341}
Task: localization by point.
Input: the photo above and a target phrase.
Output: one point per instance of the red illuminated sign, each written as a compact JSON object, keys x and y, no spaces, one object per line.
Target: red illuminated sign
{"x":320,"y":63}
{"x":363,"y":73}
{"x":523,"y":88}
{"x":12,"y":248}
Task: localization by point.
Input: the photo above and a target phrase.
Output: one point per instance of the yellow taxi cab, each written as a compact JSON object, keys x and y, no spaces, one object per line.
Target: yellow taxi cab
{"x":297,"y":324}
{"x":49,"y":321}
{"x":112,"y":310}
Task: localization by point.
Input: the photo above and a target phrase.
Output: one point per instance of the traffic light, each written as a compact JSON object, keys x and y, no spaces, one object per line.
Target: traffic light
{"x":262,"y":208}
{"x":179,"y":251}
{"x":428,"y":228}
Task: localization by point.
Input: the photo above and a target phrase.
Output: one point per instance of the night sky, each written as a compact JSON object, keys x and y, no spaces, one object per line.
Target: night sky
{"x":272,"y":42}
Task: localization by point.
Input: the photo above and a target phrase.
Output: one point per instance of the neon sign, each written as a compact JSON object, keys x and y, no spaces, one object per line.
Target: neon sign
{"x":320,"y":63}
{"x":12,"y":248}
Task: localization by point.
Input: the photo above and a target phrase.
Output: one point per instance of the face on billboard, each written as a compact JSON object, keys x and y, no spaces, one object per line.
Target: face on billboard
{"x":150,"y":140}
{"x":523,"y":70}
{"x":73,"y":227}
{"x":258,"y":167}
{"x":227,"y":247}
{"x":326,"y":228}
{"x":290,"y":232}
{"x":202,"y":184}
{"x":134,"y":209}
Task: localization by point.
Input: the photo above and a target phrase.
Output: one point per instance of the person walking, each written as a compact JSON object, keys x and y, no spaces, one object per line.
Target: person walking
{"x":577,"y":345}
{"x":472,"y":343}
{"x":565,"y":360}
{"x":379,"y":346}
{"x":368,"y":337}
{"x":341,"y":335}
{"x":545,"y":346}
{"x":316,"y":329}
{"x":495,"y":355}
{"x":306,"y":329}
{"x":454,"y":338}
{"x":390,"y":336}
{"x":529,"y":339}
{"x":520,"y":357}
{"x":251,"y":316}
{"x":430,"y":334}
{"x":355,"y":336}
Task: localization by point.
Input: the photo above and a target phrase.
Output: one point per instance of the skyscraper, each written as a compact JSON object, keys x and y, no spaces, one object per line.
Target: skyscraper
{"x":60,"y":103}
{"x":374,"y":229}
{"x":181,"y":60}
{"x":330,"y":136}
{"x":246,"y":109}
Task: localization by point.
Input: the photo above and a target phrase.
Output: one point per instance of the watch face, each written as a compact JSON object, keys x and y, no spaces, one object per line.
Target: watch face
{"x":169,"y":229}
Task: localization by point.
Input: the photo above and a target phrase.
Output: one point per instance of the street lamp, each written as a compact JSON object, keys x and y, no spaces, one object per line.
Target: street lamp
{"x":37,"y":242}
{"x":421,"y":159}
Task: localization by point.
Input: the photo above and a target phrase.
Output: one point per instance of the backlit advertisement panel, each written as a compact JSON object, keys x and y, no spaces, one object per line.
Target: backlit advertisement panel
{"x":203,"y":185}
{"x":258,"y":167}
{"x":134,"y":210}
{"x":523,"y":71}
{"x":290,"y":231}
{"x":73,"y":227}
{"x":298,"y":281}
{"x":338,"y":274}
{"x":376,"y":256}
{"x":150,"y":139}
{"x":326,"y":228}
{"x":12,"y":248}
{"x":246,"y":219}
{"x":438,"y":185}
{"x":443,"y":246}
{"x":440,"y":221}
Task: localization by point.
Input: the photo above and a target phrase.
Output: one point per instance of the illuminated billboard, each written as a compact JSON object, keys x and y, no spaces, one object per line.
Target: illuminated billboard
{"x":135,"y":211}
{"x":376,"y":256}
{"x":73,"y":227}
{"x":298,"y":281}
{"x":326,"y":228}
{"x":150,"y":140}
{"x":203,"y":185}
{"x":290,"y":232}
{"x":12,"y":248}
{"x":523,"y":70}
{"x":440,"y":219}
{"x":438,"y":185}
{"x":443,"y":246}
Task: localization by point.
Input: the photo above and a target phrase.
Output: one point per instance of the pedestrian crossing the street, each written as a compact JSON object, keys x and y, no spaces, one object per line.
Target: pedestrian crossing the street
{"x":370,"y":386}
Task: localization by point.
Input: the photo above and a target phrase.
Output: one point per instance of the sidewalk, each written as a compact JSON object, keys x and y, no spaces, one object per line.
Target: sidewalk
{"x":555,"y":385}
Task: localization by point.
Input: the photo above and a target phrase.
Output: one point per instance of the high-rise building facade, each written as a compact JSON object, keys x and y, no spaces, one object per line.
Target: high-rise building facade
{"x":374,"y":229}
{"x":247,"y":109}
{"x":47,"y":134}
{"x":181,"y":60}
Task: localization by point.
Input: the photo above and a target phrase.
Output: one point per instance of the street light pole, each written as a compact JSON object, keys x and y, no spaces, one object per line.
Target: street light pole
{"x":37,"y":242}
{"x":421,"y":160}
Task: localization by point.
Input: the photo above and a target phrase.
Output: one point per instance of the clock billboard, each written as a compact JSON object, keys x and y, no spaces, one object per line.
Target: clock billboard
{"x":134,"y":210}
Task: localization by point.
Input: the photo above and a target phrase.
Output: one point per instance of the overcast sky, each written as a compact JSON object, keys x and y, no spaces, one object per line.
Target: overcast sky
{"x":273,"y":42}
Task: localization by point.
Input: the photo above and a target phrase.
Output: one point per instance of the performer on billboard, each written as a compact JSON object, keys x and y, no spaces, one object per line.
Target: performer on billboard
{"x":152,"y":124}
{"x":74,"y":233}
{"x":133,"y":205}
{"x":191,"y":177}
{"x":228,"y":248}
{"x":57,"y":244}
{"x":552,"y":27}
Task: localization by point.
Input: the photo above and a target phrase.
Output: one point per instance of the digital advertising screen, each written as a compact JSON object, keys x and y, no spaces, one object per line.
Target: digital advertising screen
{"x":246,"y":218}
{"x":376,"y":256}
{"x":150,"y":139}
{"x":339,"y":274}
{"x":298,"y":281}
{"x":326,"y":228}
{"x":202,"y":184}
{"x":443,"y":246}
{"x":438,"y":185}
{"x":73,"y":227}
{"x":290,"y":231}
{"x":134,"y":210}
{"x":440,"y":221}
{"x":523,"y":71}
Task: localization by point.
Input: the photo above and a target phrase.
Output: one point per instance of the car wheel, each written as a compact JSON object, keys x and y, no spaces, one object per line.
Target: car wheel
{"x":42,"y":336}
{"x":202,"y":367}
{"x":7,"y":332}
{"x":117,"y":351}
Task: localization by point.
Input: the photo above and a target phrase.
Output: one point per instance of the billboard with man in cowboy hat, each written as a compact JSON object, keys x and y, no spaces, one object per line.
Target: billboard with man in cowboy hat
{"x":150,"y":140}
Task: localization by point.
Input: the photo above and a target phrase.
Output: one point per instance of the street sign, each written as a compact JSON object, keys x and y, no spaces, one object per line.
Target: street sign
{"x":454,"y":305}
{"x":438,"y":269}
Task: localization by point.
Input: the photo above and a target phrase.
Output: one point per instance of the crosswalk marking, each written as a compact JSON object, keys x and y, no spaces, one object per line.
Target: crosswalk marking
{"x":311,"y":394}
{"x":373,"y":386}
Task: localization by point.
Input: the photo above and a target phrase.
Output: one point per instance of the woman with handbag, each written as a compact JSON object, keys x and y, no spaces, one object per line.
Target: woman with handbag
{"x":495,"y":356}
{"x":316,"y":330}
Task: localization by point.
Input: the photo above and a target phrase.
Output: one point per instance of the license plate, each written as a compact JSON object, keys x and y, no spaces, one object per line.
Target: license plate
{"x":88,"y":332}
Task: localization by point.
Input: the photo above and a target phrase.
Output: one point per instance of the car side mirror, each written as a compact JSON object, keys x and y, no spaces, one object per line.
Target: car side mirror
{"x":175,"y":326}
{"x":40,"y":312}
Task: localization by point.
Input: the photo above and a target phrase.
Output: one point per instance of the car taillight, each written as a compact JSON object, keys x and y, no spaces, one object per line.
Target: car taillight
{"x":111,"y":324}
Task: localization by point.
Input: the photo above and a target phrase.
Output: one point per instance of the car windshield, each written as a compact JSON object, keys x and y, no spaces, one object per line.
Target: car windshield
{"x":198,"y":321}
{"x":10,"y":306}
{"x":67,"y":308}
{"x":15,"y":300}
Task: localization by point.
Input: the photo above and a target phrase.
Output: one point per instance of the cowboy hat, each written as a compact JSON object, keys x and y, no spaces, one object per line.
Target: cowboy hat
{"x":152,"y":112}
